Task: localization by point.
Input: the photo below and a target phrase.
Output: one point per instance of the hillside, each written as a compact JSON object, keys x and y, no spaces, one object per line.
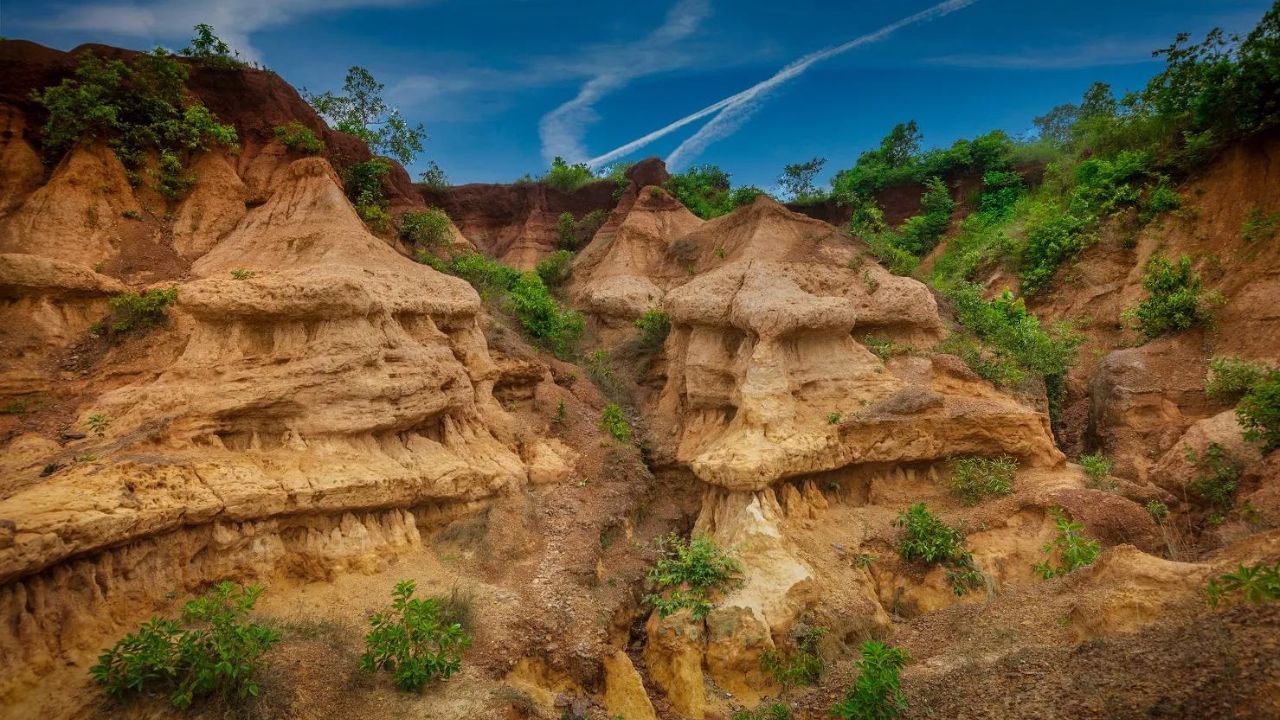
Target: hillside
{"x":653,"y":465}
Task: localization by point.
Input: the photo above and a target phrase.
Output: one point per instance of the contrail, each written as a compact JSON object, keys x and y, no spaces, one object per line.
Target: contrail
{"x":735,"y":109}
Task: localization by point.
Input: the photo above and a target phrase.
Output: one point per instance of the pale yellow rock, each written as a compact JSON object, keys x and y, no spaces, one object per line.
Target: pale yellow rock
{"x":214,"y":206}
{"x":673,"y":656}
{"x":624,"y":695}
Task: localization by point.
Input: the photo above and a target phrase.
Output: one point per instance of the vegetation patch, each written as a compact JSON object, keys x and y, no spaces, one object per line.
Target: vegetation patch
{"x":131,"y":310}
{"x":1229,"y":378}
{"x":687,"y":573}
{"x":138,"y":107}
{"x":707,"y":192}
{"x":1259,"y":412}
{"x":1217,"y":475}
{"x":298,"y":138}
{"x":426,"y":228}
{"x":414,"y":640}
{"x":1014,"y":343}
{"x":614,"y":422}
{"x":1257,"y":583}
{"x":523,"y":294}
{"x":1097,"y":467}
{"x":1176,"y":299}
{"x":801,"y":664}
{"x":928,"y":540}
{"x":877,"y":693}
{"x":565,"y":177}
{"x":363,"y":184}
{"x":213,"y":650}
{"x":572,"y":233}
{"x":654,"y":326}
{"x":1071,"y":547}
{"x":974,"y":479}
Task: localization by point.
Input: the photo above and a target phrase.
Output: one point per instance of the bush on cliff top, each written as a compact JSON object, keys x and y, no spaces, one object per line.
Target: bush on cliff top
{"x":137,"y":107}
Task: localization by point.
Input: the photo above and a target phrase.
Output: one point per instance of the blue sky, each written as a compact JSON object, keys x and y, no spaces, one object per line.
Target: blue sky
{"x":502,"y":85}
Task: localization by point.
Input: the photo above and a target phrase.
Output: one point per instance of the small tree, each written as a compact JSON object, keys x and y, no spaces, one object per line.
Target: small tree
{"x":434,"y":177}
{"x":797,"y":179}
{"x":877,"y":693}
{"x":414,"y":641}
{"x":209,"y":49}
{"x":362,"y":112}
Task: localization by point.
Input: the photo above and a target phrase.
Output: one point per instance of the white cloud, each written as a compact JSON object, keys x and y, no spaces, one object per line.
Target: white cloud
{"x":233,"y":20}
{"x":562,"y":129}
{"x":733,"y":111}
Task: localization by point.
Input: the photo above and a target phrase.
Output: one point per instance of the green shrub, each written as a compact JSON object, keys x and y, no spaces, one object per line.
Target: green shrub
{"x":415,"y":640}
{"x":524,"y":295}
{"x":1073,"y":549}
{"x":1098,"y":469}
{"x":299,"y":138}
{"x":801,"y":665}
{"x":877,"y":693}
{"x":654,"y":326}
{"x":1259,"y":226}
{"x":567,"y":178}
{"x":706,"y":191}
{"x":555,"y":268}
{"x":138,"y":107}
{"x":98,"y":424}
{"x":566,"y":232}
{"x":1162,"y":199}
{"x":1175,"y":298}
{"x":242,"y":274}
{"x":920,"y":234}
{"x":209,"y":49}
{"x":542,"y":317}
{"x":426,"y":228}
{"x":1217,"y":475}
{"x":833,"y":418}
{"x":171,"y":176}
{"x":1230,"y":378}
{"x":928,"y":540}
{"x":434,"y":177}
{"x":687,"y":573}
{"x":572,"y":234}
{"x":1158,"y":511}
{"x":1054,"y":235}
{"x":973,"y":479}
{"x":1257,"y":583}
{"x":1014,"y":337}
{"x":614,"y":422}
{"x":363,"y":183}
{"x":217,"y":652}
{"x":1259,"y":412}
{"x":131,"y":310}
{"x":362,"y":112}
